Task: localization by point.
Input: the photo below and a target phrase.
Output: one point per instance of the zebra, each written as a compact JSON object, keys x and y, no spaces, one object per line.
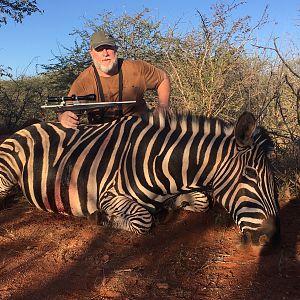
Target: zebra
{"x":129,"y":169}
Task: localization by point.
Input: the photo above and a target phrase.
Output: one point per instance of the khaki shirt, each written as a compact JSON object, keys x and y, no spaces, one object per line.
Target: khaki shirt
{"x":138,"y":76}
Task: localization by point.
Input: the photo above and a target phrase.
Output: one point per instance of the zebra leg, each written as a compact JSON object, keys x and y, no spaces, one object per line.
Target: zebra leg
{"x":8,"y":191}
{"x":194,"y":201}
{"x":121,"y":212}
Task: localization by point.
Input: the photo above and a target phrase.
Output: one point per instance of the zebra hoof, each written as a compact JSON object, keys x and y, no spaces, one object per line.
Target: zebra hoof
{"x":185,"y":204}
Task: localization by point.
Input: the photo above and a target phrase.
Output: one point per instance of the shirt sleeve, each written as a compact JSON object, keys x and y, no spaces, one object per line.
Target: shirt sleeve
{"x":84,"y":84}
{"x":153,"y":75}
{"x":77,"y":88}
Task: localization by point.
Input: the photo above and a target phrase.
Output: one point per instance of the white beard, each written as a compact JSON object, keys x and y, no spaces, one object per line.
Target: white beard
{"x":106,"y":69}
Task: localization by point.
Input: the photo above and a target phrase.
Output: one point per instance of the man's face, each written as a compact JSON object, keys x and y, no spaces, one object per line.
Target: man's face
{"x":105,"y":58}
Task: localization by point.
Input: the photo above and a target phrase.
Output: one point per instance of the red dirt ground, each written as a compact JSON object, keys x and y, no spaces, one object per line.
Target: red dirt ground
{"x":192,"y":256}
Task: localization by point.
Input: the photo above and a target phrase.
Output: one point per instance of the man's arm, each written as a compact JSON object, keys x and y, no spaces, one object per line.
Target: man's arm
{"x":163,"y":92}
{"x":68,"y":119}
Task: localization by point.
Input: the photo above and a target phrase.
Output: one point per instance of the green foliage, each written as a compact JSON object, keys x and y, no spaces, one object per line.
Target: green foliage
{"x":66,"y":68}
{"x":212,"y":72}
{"x":139,"y":36}
{"x":16,"y":10}
{"x":20,"y":101}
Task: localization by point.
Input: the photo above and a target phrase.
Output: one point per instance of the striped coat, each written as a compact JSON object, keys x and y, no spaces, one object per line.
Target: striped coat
{"x":130,"y":168}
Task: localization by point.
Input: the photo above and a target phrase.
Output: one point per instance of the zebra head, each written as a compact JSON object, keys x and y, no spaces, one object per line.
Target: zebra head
{"x":244,"y":184}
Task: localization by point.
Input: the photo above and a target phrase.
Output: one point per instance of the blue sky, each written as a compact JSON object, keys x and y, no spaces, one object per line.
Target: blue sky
{"x":23,"y":46}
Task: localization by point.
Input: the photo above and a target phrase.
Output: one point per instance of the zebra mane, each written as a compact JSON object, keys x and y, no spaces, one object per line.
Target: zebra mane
{"x":262,"y":136}
{"x":209,"y":125}
{"x":189,"y":122}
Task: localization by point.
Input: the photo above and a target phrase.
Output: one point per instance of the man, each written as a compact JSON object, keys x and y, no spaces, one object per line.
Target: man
{"x":113,"y":79}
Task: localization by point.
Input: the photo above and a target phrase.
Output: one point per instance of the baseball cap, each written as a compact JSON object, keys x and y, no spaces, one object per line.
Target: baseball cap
{"x":102,"y":38}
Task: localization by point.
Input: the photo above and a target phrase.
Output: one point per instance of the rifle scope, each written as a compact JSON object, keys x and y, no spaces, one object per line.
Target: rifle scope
{"x":90,"y":97}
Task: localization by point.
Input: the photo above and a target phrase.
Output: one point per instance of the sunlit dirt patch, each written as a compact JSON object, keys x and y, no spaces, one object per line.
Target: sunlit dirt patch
{"x":191,"y":256}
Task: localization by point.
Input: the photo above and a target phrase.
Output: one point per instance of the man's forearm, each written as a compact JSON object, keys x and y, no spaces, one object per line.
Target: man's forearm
{"x":163,"y":92}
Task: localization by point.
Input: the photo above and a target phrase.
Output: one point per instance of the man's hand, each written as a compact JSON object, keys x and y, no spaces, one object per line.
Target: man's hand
{"x":68,"y":119}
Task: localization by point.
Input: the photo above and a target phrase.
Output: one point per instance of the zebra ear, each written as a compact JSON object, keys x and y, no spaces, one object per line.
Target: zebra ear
{"x":244,"y":129}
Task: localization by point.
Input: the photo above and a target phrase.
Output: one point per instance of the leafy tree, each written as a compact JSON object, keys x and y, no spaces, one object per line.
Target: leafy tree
{"x":16,"y":10}
{"x":20,"y":101}
{"x":66,"y":68}
{"x":211,"y":66}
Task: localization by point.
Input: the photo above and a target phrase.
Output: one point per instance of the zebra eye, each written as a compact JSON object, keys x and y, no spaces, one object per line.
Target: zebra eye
{"x":250,"y":173}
